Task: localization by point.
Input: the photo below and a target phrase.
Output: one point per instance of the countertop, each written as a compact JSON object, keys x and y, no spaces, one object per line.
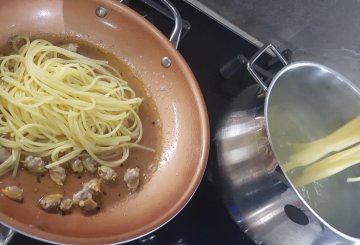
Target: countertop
{"x":324,"y":31}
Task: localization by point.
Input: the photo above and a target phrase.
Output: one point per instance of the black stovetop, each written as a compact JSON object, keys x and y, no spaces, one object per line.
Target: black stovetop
{"x":206,"y":46}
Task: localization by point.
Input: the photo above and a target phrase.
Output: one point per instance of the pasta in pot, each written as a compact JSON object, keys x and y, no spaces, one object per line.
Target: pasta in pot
{"x":58,"y":104}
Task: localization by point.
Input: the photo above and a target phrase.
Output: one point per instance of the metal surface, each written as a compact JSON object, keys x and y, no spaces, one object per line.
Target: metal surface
{"x":304,"y":101}
{"x":124,"y":1}
{"x":171,"y":12}
{"x":166,"y":62}
{"x":234,"y":65}
{"x":101,"y":12}
{"x":255,"y":192}
{"x":243,"y":144}
{"x":185,"y":25}
{"x":256,"y":56}
{"x":6,"y":235}
{"x":176,"y":33}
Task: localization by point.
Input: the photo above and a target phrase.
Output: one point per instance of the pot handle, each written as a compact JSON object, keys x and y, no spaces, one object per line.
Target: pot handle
{"x":256,"y":56}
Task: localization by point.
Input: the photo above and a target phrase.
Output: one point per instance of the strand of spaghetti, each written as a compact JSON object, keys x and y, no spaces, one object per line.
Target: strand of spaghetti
{"x":90,"y":147}
{"x":16,"y":160}
{"x":8,"y":143}
{"x":37,"y":104}
{"x":24,"y":47}
{"x":12,"y":100}
{"x":36,"y":146}
{"x":73,"y":154}
{"x":27,"y":129}
{"x":99,"y":136}
{"x":66,"y":112}
{"x":55,"y":152}
{"x":8,"y":164}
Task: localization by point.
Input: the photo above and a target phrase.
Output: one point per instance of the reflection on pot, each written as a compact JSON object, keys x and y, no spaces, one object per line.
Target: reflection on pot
{"x":254,"y":189}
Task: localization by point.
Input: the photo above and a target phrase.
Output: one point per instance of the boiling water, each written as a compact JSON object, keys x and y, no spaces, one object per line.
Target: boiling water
{"x":305,"y":104}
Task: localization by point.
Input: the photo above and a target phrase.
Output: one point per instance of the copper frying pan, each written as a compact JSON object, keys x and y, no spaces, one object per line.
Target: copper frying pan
{"x":185,"y":136}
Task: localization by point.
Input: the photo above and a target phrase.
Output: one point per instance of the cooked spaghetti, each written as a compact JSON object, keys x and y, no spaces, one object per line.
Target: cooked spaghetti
{"x":59,"y":104}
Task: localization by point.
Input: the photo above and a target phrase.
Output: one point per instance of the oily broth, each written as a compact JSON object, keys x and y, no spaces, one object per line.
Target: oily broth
{"x":113,"y":192}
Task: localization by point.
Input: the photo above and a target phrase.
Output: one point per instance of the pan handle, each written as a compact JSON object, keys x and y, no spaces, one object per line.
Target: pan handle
{"x":6,"y":234}
{"x":256,"y":56}
{"x":176,"y":33}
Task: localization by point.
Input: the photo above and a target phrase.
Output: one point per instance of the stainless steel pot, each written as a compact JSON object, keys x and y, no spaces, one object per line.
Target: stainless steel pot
{"x":301,"y":104}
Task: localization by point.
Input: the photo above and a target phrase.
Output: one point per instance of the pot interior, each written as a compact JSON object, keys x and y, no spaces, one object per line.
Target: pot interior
{"x":305,"y":102}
